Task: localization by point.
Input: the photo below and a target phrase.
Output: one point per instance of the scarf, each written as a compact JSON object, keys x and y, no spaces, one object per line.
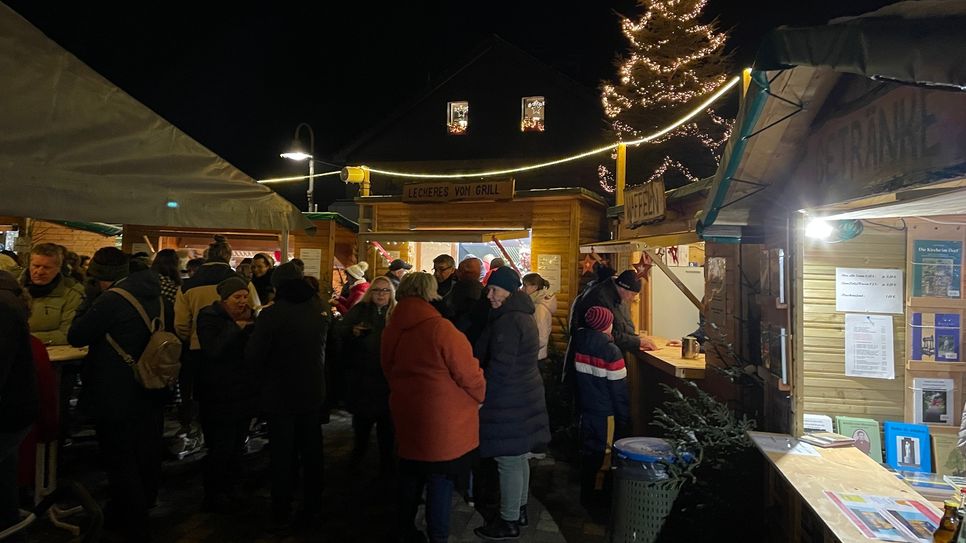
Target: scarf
{"x":42,"y":291}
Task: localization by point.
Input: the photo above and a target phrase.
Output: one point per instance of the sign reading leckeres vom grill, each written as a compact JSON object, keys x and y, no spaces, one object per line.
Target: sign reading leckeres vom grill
{"x":448,"y":192}
{"x":645,"y":203}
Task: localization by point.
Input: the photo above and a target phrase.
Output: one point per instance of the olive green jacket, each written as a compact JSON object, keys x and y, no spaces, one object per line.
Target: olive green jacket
{"x":51,"y":316}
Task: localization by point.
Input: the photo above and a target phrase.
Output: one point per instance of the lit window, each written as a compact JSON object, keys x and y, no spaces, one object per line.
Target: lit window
{"x":532,"y":115}
{"x":457,"y":117}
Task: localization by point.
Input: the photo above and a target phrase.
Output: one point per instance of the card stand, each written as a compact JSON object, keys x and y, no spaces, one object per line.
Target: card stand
{"x":956,"y":398}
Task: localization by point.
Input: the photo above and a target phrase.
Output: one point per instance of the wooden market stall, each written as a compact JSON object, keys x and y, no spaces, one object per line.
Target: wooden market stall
{"x":659,"y":226}
{"x":848,"y":173}
{"x":326,"y":252}
{"x":544,"y":226}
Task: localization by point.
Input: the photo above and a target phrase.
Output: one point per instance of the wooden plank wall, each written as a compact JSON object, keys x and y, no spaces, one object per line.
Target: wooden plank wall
{"x":827,"y":391}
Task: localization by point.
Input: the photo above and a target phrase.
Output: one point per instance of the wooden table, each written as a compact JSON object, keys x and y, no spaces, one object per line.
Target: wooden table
{"x":65,"y":353}
{"x":842,"y":469}
{"x":668,"y":359}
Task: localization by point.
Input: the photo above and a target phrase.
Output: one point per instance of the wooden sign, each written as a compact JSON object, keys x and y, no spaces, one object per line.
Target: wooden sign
{"x":645,"y":203}
{"x":466,"y":191}
{"x":427,"y":192}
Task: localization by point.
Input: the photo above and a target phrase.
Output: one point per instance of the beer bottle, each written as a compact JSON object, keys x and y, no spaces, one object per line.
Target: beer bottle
{"x":949,"y":524}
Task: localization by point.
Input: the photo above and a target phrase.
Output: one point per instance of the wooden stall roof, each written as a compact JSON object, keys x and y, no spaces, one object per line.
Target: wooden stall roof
{"x":563,"y":192}
{"x":338,"y":218}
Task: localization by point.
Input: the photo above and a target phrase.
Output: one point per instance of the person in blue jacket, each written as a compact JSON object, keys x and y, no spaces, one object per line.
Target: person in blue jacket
{"x":604,"y":405}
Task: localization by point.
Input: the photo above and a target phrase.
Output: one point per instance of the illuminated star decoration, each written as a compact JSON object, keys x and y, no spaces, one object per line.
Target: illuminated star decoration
{"x":643,"y":266}
{"x":587,"y":264}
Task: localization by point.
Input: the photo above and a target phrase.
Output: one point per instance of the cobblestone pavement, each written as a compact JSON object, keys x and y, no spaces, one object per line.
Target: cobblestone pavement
{"x":357,"y":507}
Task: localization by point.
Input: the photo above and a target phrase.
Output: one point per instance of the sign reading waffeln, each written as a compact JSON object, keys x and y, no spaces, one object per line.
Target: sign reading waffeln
{"x":645,"y":203}
{"x":448,"y":192}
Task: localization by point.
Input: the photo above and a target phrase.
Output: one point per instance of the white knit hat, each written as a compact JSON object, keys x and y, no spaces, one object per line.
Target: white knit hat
{"x":358,"y":271}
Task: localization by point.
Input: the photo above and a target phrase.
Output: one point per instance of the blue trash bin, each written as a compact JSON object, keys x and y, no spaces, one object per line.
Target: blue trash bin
{"x":644,"y":492}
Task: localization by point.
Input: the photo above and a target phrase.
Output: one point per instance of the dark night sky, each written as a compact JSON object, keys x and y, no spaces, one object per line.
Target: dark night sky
{"x":240,"y":79}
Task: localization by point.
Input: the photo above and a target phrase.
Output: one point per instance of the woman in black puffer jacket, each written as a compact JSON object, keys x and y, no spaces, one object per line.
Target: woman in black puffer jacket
{"x":227,"y":389}
{"x":513,"y":419}
{"x":368,"y":397}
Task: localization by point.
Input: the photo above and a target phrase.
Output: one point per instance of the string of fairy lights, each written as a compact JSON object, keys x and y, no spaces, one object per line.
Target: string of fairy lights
{"x":652,"y":137}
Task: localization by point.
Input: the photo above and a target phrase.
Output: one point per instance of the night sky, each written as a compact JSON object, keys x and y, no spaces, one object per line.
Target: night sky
{"x":239,"y":79}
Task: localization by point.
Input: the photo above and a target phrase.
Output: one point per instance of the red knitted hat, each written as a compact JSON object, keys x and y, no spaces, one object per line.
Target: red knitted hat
{"x":598,"y":318}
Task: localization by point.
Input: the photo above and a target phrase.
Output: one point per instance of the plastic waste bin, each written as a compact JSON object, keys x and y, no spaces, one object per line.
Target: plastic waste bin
{"x":644,"y":492}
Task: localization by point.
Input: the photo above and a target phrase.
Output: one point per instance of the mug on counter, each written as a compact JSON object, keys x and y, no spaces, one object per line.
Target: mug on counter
{"x":690,"y":348}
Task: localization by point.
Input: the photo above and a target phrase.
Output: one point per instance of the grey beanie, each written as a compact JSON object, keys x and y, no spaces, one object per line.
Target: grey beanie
{"x":231,"y":285}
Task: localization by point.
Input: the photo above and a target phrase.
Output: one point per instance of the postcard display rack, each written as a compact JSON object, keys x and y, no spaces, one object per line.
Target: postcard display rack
{"x":935,"y":366}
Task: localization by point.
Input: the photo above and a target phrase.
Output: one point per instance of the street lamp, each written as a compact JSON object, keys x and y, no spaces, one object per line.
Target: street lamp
{"x":298,"y":153}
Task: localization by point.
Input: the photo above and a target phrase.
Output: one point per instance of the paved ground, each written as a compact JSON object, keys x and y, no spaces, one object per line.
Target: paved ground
{"x":357,"y":508}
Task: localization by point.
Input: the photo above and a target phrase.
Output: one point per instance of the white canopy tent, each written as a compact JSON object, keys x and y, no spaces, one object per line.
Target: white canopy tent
{"x":73,"y":146}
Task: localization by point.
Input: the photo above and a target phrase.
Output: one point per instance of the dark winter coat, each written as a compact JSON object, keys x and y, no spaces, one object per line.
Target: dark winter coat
{"x":224,"y":375}
{"x":445,"y":290}
{"x":368,"y":390}
{"x":602,"y":388}
{"x":18,"y":380}
{"x":604,"y":294}
{"x":198,"y":292}
{"x":513,"y":420}
{"x":287,"y":349}
{"x":263,"y":286}
{"x":463,"y":305}
{"x":110,"y":389}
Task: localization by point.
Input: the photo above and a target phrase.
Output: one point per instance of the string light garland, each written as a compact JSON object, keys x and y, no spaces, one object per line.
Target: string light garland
{"x":297,"y":177}
{"x":700,"y":108}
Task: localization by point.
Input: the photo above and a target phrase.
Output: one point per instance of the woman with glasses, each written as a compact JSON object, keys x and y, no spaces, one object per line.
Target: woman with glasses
{"x":368,"y":398}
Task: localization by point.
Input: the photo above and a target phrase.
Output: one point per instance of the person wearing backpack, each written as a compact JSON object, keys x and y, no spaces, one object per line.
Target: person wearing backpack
{"x":128,"y":416}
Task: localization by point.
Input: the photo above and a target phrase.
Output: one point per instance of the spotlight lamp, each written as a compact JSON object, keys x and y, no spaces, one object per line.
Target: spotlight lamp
{"x":835,"y":231}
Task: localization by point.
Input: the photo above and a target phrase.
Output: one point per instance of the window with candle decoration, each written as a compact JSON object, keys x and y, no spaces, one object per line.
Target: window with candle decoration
{"x":457,"y":118}
{"x":533,"y":114}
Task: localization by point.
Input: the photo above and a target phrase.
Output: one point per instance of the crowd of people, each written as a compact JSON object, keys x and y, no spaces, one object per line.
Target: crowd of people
{"x":449,"y":367}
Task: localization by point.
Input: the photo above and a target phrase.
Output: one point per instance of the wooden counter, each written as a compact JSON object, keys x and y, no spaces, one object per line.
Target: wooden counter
{"x":843,"y":469}
{"x":65,"y":353}
{"x":668,"y":359}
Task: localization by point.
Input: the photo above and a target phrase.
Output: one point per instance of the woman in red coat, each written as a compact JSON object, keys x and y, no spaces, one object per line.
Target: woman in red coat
{"x":436,"y":388}
{"x":357,"y":289}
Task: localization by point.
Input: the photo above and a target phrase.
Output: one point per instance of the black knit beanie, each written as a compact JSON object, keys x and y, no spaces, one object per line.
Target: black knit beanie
{"x":108,"y":264}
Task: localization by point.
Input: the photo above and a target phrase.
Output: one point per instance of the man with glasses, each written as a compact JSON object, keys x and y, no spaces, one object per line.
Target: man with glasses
{"x":444,"y":269}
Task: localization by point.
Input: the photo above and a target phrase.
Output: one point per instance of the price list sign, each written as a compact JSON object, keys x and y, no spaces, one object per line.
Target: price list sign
{"x":868,"y":290}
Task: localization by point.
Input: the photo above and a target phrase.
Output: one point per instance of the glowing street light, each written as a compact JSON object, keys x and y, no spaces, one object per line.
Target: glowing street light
{"x":298,"y":153}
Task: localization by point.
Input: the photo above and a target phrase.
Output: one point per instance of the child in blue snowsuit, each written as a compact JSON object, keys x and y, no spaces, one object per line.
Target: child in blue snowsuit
{"x":604,"y":404}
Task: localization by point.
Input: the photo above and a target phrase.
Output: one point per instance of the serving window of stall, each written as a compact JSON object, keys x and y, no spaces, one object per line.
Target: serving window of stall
{"x":880,"y":310}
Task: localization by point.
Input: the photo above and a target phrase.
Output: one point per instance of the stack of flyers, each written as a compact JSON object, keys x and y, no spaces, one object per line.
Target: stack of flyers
{"x":888,"y":518}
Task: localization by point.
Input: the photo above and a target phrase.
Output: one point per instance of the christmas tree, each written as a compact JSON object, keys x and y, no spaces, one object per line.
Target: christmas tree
{"x":673,"y":63}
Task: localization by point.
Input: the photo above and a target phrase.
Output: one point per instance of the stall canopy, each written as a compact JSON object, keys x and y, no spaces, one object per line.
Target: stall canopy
{"x":73,"y":146}
{"x":912,"y":43}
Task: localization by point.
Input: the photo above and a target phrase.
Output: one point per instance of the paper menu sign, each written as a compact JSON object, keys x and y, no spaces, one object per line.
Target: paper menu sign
{"x":313,"y":262}
{"x":869,"y":349}
{"x":868,"y":290}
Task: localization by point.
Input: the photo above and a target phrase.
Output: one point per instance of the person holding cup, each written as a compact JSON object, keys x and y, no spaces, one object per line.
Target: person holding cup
{"x":368,"y":395}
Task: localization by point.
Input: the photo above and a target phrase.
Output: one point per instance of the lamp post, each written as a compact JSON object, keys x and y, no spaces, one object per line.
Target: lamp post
{"x":298,"y":153}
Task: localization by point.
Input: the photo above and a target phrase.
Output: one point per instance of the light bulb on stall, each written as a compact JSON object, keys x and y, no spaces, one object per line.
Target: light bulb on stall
{"x":818,"y":229}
